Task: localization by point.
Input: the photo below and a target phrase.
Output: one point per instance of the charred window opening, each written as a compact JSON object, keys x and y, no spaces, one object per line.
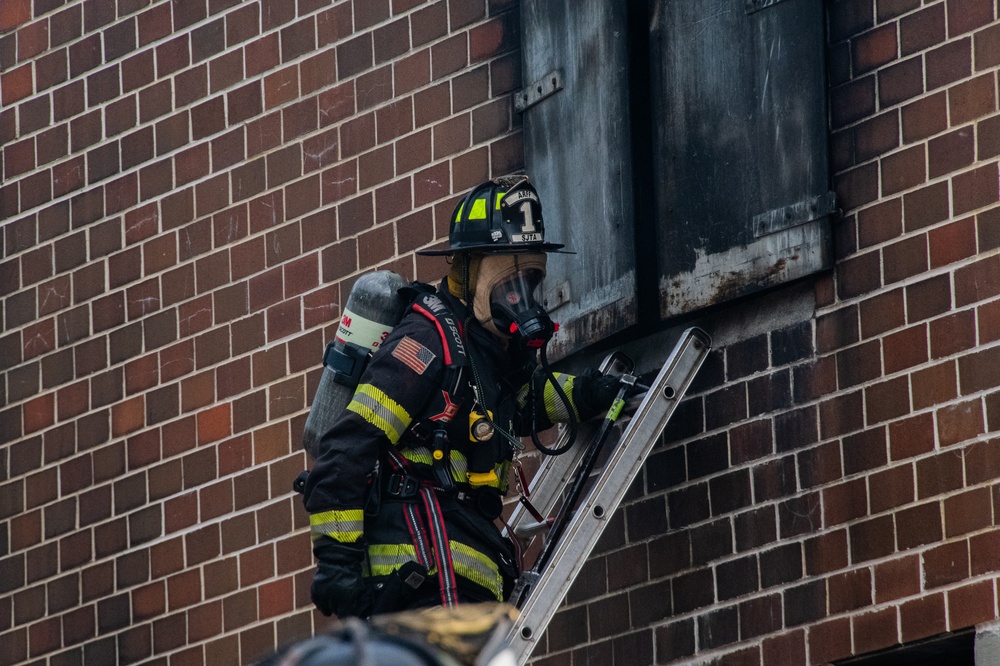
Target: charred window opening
{"x":682,"y":155}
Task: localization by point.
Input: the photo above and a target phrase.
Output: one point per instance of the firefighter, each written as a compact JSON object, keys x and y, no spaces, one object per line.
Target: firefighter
{"x":409,"y":480}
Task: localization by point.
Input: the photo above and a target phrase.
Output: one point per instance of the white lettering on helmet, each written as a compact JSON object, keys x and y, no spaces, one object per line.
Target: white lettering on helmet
{"x":518,"y":195}
{"x":526,"y":238}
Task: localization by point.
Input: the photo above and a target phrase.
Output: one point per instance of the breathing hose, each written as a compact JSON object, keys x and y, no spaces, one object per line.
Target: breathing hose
{"x":570,"y":409}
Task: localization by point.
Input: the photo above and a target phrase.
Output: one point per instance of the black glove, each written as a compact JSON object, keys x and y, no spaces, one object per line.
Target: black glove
{"x":337,"y":586}
{"x":593,"y":393}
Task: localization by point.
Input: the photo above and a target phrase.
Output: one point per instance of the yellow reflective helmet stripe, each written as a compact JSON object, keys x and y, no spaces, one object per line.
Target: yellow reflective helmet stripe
{"x":377,"y":408}
{"x":478,"y":210}
{"x":343,"y":525}
{"x":477,"y":567}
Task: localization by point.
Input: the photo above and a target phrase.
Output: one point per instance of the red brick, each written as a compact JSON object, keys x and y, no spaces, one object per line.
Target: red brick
{"x":922,"y":29}
{"x":946,"y":564}
{"x":951,"y":152}
{"x":891,"y":488}
{"x":17,"y":13}
{"x":431,"y":105}
{"x":924,"y":207}
{"x":876,"y":630}
{"x":961,"y":422}
{"x":988,"y":138}
{"x":213,"y":424}
{"x":953,"y":334}
{"x":967,"y":15}
{"x":128,"y":416}
{"x":928,"y":298}
{"x":949,"y":63}
{"x":903,"y":170}
{"x":900,"y":82}
{"x":262,"y":55}
{"x":905,"y":349}
{"x":830,"y":640}
{"x":977,"y":282}
{"x":972,"y":99}
{"x":872,"y":539}
{"x":882,"y":313}
{"x":880,"y":222}
{"x":923,"y":617}
{"x":452,"y":136}
{"x":874,"y":48}
{"x":970,"y":605}
{"x":984,"y":552}
{"x":967,"y":512}
{"x":976,"y":189}
{"x":897,"y":578}
{"x":934,"y":385}
{"x":16,"y":84}
{"x":858,"y":186}
{"x":988,"y":316}
{"x":850,"y":590}
{"x":987,"y":48}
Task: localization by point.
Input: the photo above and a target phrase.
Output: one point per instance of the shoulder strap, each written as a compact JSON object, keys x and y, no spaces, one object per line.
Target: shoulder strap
{"x":430,"y":305}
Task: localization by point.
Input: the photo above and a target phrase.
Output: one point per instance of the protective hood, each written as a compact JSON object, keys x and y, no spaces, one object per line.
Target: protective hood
{"x":497,"y":280}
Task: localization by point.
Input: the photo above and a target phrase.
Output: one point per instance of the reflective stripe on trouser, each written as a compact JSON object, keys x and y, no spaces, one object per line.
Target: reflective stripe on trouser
{"x":377,"y":408}
{"x":470,"y":563}
{"x":384,"y":558}
{"x":345,"y":526}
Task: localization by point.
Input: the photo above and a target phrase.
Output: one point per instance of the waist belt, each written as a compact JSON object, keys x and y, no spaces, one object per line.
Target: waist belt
{"x":402,"y":486}
{"x":485,"y":501}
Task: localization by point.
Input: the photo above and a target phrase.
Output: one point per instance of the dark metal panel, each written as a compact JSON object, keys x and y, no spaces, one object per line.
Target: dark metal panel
{"x":739,"y":116}
{"x":577,"y":151}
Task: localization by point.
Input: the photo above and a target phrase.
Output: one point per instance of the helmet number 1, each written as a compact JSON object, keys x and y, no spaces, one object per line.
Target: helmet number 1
{"x":528,"y":227}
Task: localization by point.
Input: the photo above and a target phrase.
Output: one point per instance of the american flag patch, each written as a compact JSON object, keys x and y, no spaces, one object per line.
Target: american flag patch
{"x":413,"y":354}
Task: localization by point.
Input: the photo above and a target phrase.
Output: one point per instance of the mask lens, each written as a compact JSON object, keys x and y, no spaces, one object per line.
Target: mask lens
{"x":515,"y":308}
{"x":517,"y":293}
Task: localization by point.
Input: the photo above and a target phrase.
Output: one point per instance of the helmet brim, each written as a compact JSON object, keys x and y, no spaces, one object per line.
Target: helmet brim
{"x":499,"y":248}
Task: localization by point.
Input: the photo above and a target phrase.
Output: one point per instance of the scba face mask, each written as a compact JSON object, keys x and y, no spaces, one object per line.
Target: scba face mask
{"x":514,"y":294}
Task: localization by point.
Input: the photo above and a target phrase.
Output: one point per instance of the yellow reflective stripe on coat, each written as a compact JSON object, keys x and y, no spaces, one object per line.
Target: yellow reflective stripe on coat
{"x":555,"y":409}
{"x":377,"y":408}
{"x":477,"y":567}
{"x":345,"y":526}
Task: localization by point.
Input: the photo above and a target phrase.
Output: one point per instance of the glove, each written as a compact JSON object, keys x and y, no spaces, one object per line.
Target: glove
{"x":593,"y":392}
{"x":337,"y":586}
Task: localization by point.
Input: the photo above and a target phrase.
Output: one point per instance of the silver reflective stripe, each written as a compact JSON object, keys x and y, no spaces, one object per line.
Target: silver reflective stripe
{"x":381,"y":411}
{"x":477,"y":567}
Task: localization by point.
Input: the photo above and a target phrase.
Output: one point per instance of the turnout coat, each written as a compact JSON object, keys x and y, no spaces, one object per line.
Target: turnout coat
{"x":393,"y":471}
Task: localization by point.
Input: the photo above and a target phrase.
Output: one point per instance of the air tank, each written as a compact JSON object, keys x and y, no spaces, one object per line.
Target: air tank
{"x":373,"y":309}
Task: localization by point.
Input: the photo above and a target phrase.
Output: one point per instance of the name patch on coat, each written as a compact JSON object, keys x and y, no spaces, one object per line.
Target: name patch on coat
{"x":413,"y":354}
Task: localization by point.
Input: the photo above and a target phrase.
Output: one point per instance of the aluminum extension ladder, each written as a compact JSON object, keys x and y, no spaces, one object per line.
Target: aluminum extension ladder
{"x":540,"y":592}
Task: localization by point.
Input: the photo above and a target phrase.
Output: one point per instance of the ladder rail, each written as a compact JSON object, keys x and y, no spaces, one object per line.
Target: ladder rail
{"x":594,"y":512}
{"x":547,"y":485}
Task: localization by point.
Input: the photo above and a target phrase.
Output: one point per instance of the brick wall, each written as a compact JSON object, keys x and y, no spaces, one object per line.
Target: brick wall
{"x":189,"y":189}
{"x":830,"y":488}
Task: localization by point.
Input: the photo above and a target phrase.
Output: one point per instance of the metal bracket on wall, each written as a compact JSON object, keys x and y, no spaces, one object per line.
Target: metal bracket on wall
{"x":752,"y":6}
{"x":532,"y":94}
{"x":792,"y":216}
